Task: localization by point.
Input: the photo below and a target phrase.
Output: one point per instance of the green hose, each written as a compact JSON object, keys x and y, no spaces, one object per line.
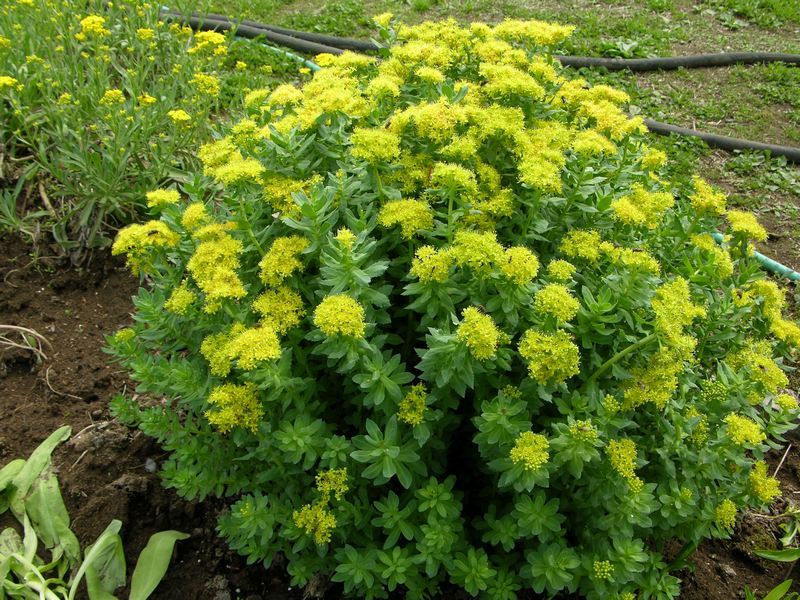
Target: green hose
{"x":769,"y":264}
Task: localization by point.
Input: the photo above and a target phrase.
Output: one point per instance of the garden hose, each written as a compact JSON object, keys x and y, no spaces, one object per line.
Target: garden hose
{"x":697,"y":61}
{"x":251,"y":30}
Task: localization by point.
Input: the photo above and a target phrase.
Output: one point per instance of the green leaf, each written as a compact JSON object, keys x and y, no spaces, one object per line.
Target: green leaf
{"x":7,"y":475}
{"x":786,"y":555}
{"x":106,"y":557}
{"x":779,"y":591}
{"x":34,"y":466}
{"x":50,"y":519}
{"x":153,"y":563}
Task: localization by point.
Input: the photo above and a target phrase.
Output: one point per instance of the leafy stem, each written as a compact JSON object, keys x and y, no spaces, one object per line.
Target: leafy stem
{"x":620,"y":355}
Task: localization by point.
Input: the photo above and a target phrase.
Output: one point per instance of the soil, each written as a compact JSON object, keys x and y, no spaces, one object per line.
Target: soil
{"x":105,"y":470}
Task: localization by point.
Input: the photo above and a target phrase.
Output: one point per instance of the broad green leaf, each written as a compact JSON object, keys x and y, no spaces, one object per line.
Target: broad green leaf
{"x":779,"y":591}
{"x":105,"y":556}
{"x":786,"y":555}
{"x":94,"y":586}
{"x":153,"y":563}
{"x":10,"y":543}
{"x":34,"y":466}
{"x":7,"y":475}
{"x":50,"y":519}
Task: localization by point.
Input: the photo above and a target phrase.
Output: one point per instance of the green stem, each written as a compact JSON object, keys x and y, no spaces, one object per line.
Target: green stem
{"x":620,"y":355}
{"x":450,"y":217}
{"x":249,"y":229}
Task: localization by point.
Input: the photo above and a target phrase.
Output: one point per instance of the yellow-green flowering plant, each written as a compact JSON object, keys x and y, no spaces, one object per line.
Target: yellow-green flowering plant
{"x":101,"y":102}
{"x":437,"y":317}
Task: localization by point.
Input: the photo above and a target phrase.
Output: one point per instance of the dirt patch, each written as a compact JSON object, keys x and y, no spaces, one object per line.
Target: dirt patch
{"x":105,"y":469}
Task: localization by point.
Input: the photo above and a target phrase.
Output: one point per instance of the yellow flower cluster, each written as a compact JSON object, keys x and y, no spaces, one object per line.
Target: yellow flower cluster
{"x":743,"y":431}
{"x":551,"y":357}
{"x":456,"y":178}
{"x":763,"y":487}
{"x":413,"y":405}
{"x":235,"y":406}
{"x":674,"y":312}
{"x":556,"y":300}
{"x":699,"y":433}
{"x":248,"y":346}
{"x":642,"y":208}
{"x":159,"y":198}
{"x":725,"y":514}
{"x":280,"y":308}
{"x":580,"y":243}
{"x":602,"y":570}
{"x":560,"y":270}
{"x":211,"y":42}
{"x":656,"y":382}
{"x":9,"y":82}
{"x":317,"y":520}
{"x":112,"y":97}
{"x":653,"y":159}
{"x":282,"y":259}
{"x":332,"y":482}
{"x":584,"y":431}
{"x":478,"y":251}
{"x":411,"y":215}
{"x":773,"y":301}
{"x":340,"y":315}
{"x":723,"y":265}
{"x":531,"y":450}
{"x":179,"y":116}
{"x":746,"y":224}
{"x":206,"y":84}
{"x":478,"y":331}
{"x":180,"y":299}
{"x":430,"y":265}
{"x":520,"y":265}
{"x":213,"y":267}
{"x":533,"y":32}
{"x":786,"y":402}
{"x":622,"y":455}
{"x":756,"y":357}
{"x":593,"y":143}
{"x":374,"y":145}
{"x":136,"y":242}
{"x":705,"y":199}
{"x":194,"y":216}
{"x":633,"y":259}
{"x":92,"y":26}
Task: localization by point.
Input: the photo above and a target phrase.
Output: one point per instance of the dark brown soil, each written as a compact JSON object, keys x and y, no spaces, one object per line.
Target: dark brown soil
{"x":104,"y":469}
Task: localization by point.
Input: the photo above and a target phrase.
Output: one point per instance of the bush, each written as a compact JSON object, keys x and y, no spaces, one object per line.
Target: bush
{"x":108,"y":101}
{"x":438,"y":318}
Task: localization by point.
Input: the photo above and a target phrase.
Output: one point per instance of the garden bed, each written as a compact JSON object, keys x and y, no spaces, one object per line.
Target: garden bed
{"x":105,"y":471}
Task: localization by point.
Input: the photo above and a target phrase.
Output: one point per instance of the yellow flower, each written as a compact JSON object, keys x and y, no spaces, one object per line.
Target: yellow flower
{"x":653,"y":159}
{"x":180,"y":299}
{"x":530,"y":449}
{"x":786,"y":402}
{"x":235,"y":406}
{"x":556,"y":300}
{"x":94,"y":25}
{"x":551,"y":357}
{"x":602,"y":570}
{"x":317,"y":520}
{"x":136,"y":242}
{"x":725,"y":514}
{"x":383,"y":19}
{"x":374,"y":145}
{"x":206,"y":84}
{"x":194,"y":216}
{"x":282,"y":259}
{"x":213,"y":267}
{"x":345,"y":237}
{"x":179,"y":116}
{"x":583,"y":244}
{"x":430,"y":75}
{"x":332,"y":482}
{"x":145,"y":34}
{"x":280,"y":308}
{"x":112,"y":97}
{"x":208,"y":40}
{"x":412,"y":406}
{"x":431,"y":265}
{"x":622,"y":455}
{"x":239,"y":170}
{"x":252,"y":346}
{"x":746,"y":224}
{"x":256,"y":98}
{"x":593,"y":143}
{"x":9,"y":82}
{"x":478,"y":251}
{"x":340,"y":315}
{"x":560,"y":270}
{"x":763,"y":487}
{"x":520,"y":265}
{"x":722,"y":259}
{"x":743,"y":431}
{"x":641,"y":207}
{"x":455,"y":177}
{"x":146,"y":100}
{"x":159,"y":198}
{"x":533,"y":32}
{"x":705,"y":199}
{"x":411,"y":215}
{"x":479,"y":333}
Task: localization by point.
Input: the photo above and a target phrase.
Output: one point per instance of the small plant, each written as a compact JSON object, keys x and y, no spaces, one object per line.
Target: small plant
{"x":779,"y":592}
{"x":442,"y":317}
{"x":29,"y":488}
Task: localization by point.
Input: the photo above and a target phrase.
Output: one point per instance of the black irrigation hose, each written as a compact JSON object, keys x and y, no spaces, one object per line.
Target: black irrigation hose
{"x":318,"y":43}
{"x":250,"y":32}
{"x":697,"y":61}
{"x":723,"y":141}
{"x":320,"y":38}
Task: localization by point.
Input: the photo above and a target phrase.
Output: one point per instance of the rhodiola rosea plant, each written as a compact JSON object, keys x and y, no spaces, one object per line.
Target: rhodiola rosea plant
{"x":437,"y":317}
